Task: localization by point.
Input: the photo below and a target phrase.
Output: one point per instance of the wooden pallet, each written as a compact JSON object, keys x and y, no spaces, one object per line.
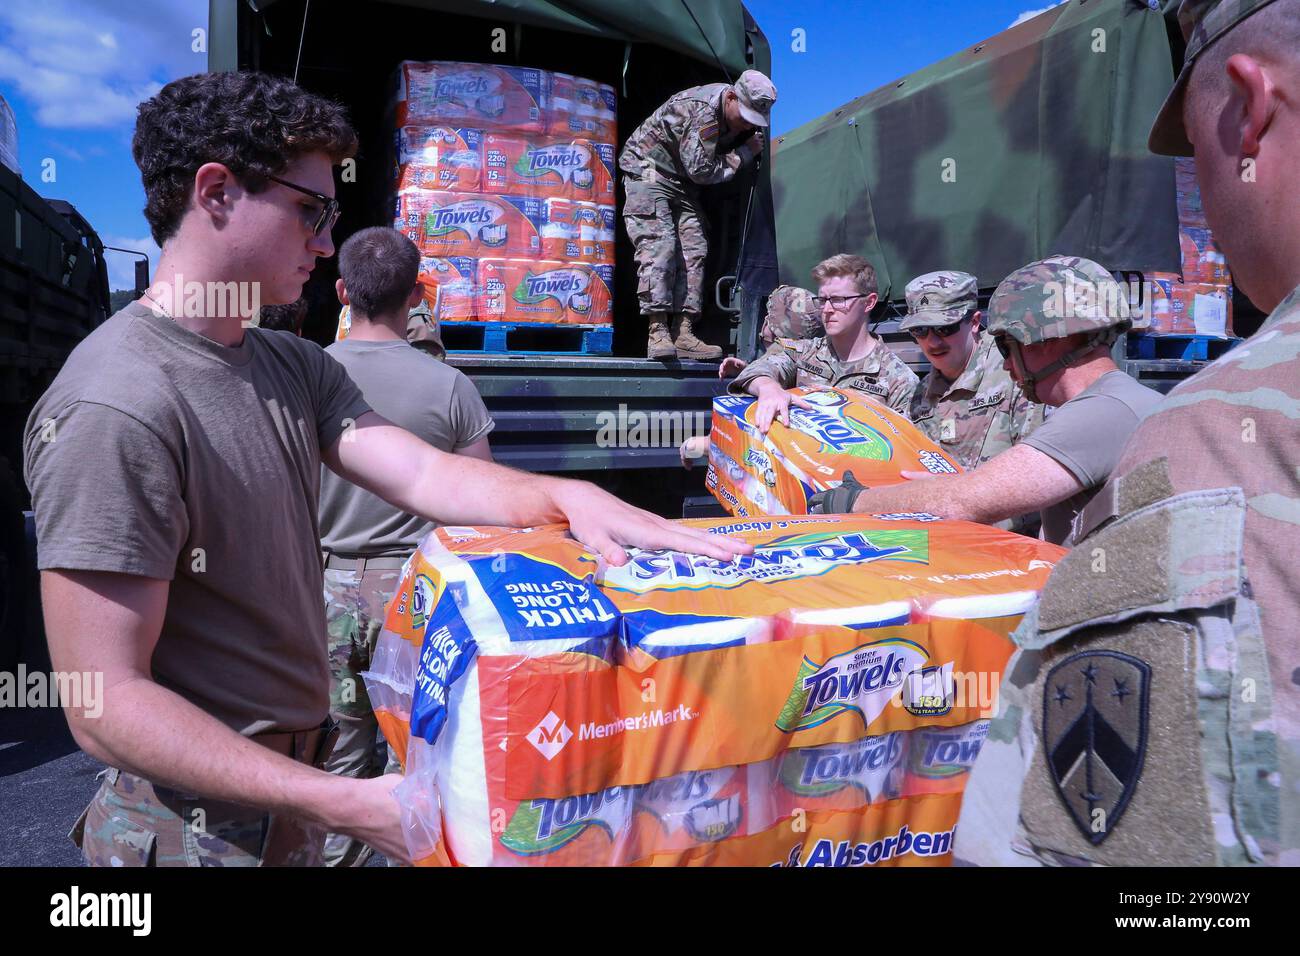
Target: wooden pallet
{"x":527,"y":337}
{"x":1184,"y":348}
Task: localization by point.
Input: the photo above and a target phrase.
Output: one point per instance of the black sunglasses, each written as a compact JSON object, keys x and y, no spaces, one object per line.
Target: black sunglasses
{"x":1001,"y":342}
{"x":943,"y":331}
{"x":330,"y":210}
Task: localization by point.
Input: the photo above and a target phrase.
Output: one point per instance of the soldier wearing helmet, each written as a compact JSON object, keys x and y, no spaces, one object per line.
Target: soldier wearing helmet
{"x":1053,"y":321}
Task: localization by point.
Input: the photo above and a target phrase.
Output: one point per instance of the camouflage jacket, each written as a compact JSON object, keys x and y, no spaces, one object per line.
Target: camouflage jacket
{"x":1151,"y":714}
{"x":980,"y":415}
{"x":882,"y":375}
{"x":686,"y":139}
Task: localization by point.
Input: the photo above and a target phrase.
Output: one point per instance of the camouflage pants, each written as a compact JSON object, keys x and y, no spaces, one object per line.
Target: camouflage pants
{"x":669,"y":235}
{"x":354,"y":616}
{"x":133,"y":822}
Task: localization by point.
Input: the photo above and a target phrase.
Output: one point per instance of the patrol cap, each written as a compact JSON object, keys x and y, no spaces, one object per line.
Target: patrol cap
{"x":1202,"y":22}
{"x":939,"y":298}
{"x":756,"y":95}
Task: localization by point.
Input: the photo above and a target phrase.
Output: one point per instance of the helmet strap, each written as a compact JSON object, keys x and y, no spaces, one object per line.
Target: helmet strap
{"x":1029,"y":380}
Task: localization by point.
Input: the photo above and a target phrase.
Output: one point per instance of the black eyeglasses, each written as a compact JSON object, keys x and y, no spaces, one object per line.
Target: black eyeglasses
{"x":1001,"y":342}
{"x":943,"y":331}
{"x":330,"y":210}
{"x":837,"y":301}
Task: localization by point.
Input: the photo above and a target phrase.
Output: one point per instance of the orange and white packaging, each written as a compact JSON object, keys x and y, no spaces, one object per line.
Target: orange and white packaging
{"x":473,"y":95}
{"x":552,"y":291}
{"x":1186,"y":308}
{"x":450,"y":287}
{"x":560,"y":230}
{"x":443,"y":223}
{"x":561,"y":711}
{"x":440,"y":157}
{"x":753,"y":474}
{"x":605,"y":235}
{"x":519,"y":165}
{"x":581,"y":107}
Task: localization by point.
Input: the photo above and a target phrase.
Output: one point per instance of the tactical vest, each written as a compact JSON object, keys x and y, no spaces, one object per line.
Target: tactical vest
{"x":1141,"y":691}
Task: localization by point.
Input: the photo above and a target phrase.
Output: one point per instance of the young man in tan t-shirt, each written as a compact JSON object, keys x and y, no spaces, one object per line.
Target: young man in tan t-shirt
{"x":174,"y":465}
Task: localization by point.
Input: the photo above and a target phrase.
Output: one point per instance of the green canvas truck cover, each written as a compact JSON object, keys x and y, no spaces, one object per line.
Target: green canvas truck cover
{"x":1028,"y":144}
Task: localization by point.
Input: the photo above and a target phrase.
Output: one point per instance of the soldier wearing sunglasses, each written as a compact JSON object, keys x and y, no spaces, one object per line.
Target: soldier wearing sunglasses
{"x":967,"y":402}
{"x":846,"y":356}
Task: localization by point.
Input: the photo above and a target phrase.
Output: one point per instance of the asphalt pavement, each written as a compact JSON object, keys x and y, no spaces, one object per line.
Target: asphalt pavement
{"x":45,"y":783}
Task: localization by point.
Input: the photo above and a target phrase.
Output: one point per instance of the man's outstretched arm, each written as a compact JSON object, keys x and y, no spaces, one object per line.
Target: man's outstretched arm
{"x":454,"y":489}
{"x":102,"y":622}
{"x":1019,"y":481}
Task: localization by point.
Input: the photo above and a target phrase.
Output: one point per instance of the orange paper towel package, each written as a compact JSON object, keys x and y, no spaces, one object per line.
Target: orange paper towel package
{"x":450,"y":287}
{"x":473,"y":95}
{"x":753,"y":474}
{"x":520,"y":165}
{"x":533,"y":290}
{"x":439,"y":157}
{"x":443,"y":223}
{"x":551,"y":709}
{"x":581,"y":107}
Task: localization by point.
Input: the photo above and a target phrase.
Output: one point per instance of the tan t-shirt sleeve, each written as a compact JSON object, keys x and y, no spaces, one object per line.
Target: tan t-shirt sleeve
{"x":107,"y":493}
{"x":470,"y":420}
{"x":339,"y":402}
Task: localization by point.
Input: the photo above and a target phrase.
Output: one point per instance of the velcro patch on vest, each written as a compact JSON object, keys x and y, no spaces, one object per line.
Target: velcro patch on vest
{"x":1094,"y":733}
{"x":1120,"y":779}
{"x":1178,"y":554}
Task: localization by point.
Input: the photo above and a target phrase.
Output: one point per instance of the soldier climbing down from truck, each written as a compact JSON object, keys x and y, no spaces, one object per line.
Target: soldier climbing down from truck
{"x":701,"y":136}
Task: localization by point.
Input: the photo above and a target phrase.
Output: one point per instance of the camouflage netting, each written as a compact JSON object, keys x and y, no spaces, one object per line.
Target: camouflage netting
{"x":1030,"y":144}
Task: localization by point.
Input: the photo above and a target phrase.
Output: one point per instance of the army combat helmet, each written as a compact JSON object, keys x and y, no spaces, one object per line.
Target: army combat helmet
{"x":1054,"y":298}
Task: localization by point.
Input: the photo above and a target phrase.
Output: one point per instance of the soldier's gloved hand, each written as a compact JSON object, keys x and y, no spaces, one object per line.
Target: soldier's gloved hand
{"x":837,"y":501}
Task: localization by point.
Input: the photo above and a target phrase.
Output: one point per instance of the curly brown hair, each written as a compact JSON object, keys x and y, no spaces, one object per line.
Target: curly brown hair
{"x":254,"y":124}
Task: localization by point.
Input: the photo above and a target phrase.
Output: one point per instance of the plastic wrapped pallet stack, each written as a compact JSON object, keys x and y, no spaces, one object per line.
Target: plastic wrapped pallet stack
{"x":505,"y":180}
{"x":1197,"y":301}
{"x":819,"y":703}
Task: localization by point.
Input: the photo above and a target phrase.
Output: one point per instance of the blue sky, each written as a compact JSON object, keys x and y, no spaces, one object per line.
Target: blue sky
{"x":74,"y":70}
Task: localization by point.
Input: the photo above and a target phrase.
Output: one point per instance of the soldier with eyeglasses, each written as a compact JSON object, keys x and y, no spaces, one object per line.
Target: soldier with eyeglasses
{"x":848,"y":355}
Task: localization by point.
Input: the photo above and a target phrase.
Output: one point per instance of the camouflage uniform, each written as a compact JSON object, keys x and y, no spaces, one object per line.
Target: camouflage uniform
{"x":354,"y":615}
{"x":791,"y":315}
{"x":881,"y":375}
{"x":1168,"y":635}
{"x":982,"y":413}
{"x":684,"y":144}
{"x":133,"y":822}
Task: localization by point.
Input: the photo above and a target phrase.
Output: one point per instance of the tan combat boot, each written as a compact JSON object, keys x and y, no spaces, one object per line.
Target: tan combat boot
{"x":688,"y":346}
{"x":660,"y":345}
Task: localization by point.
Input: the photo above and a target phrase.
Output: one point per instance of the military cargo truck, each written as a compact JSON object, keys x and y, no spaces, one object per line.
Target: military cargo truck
{"x":1030,"y":143}
{"x":549,"y":409}
{"x":53,"y":292}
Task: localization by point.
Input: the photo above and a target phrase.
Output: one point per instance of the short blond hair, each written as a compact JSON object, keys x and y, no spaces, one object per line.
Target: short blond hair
{"x":857,"y":268}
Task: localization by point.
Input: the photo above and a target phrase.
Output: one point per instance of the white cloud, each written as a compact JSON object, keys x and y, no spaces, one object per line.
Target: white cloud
{"x":121,"y":266}
{"x":84,"y":65}
{"x":1030,"y":14}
